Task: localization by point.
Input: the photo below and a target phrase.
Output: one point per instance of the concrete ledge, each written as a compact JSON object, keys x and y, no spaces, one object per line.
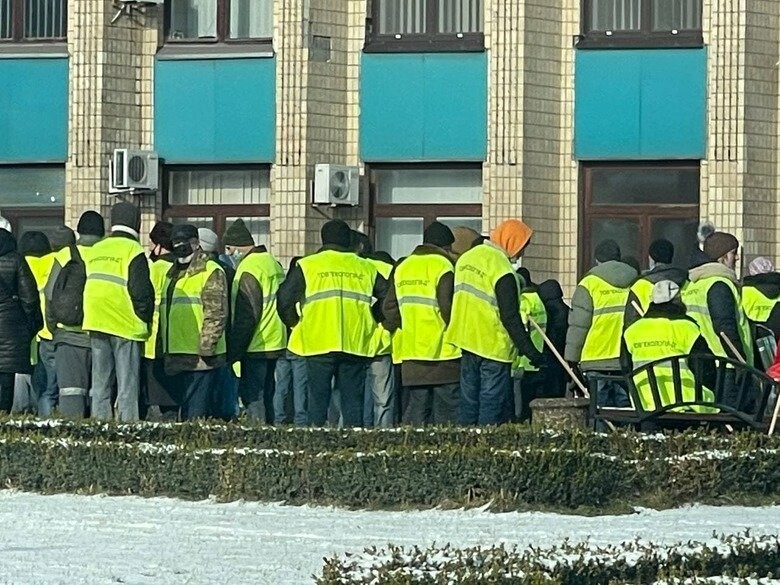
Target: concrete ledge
{"x":560,"y":413}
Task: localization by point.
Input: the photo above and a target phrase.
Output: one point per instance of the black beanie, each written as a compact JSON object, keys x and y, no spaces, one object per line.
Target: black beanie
{"x":34,"y":244}
{"x":607,"y":251}
{"x":238,"y":235}
{"x":161,"y":234}
{"x":91,"y":223}
{"x":62,"y":237}
{"x":127,"y":215}
{"x":337,"y":233}
{"x":184,"y":233}
{"x":662,"y":251}
{"x":438,"y":234}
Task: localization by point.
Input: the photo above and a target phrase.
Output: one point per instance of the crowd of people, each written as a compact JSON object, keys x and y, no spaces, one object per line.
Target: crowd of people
{"x":455,"y":333}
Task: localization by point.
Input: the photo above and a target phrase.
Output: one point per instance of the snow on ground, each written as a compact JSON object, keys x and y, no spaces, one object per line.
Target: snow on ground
{"x":98,"y":539}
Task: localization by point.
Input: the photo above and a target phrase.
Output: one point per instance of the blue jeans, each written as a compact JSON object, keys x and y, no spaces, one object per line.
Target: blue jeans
{"x":609,"y":392}
{"x":379,"y":398}
{"x":197,"y":393}
{"x":256,"y":388}
{"x":115,"y":360}
{"x":45,"y":379}
{"x":291,"y":375}
{"x":226,"y":394}
{"x":484,"y":389}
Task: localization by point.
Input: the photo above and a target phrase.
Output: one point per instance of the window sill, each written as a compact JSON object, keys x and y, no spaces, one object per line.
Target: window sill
{"x":689,"y":40}
{"x":201,"y":51}
{"x":474,"y":43}
{"x":12,"y":50}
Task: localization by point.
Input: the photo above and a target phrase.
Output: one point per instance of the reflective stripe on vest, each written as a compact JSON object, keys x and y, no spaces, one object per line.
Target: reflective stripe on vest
{"x":107,"y":304}
{"x":652,"y":339}
{"x":609,"y":304}
{"x":158,"y":272}
{"x":476,"y":325}
{"x":182,"y":320}
{"x":694,"y":295}
{"x":421,"y":336}
{"x":531,"y":305}
{"x":757,"y":306}
{"x":270,"y":333}
{"x":382,"y":340}
{"x":335,"y":315}
{"x":41,"y":269}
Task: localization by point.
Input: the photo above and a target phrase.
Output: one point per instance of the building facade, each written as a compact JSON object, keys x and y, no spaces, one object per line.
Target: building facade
{"x":589,"y":119}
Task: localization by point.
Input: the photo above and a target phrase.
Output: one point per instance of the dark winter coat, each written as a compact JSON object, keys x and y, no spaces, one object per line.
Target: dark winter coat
{"x":656,"y":274}
{"x":769,"y":286}
{"x":20,"y":308}
{"x":557,"y":325}
{"x":417,"y":372}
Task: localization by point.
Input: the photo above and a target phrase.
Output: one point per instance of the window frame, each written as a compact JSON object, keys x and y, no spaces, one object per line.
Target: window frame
{"x":644,"y":38}
{"x":18,"y":22}
{"x":427,"y":42}
{"x":645,"y":213}
{"x":223,"y":30}
{"x":428,"y":212}
{"x":218,"y":213}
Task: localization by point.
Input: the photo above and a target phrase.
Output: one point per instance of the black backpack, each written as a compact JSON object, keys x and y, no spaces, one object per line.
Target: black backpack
{"x":67,"y":298}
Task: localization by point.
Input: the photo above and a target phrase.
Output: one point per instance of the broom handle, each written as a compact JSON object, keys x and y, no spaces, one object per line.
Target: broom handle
{"x":560,"y":359}
{"x":733,"y":349}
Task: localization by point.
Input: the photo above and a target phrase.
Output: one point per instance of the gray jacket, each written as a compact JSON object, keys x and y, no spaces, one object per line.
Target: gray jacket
{"x":581,"y":317}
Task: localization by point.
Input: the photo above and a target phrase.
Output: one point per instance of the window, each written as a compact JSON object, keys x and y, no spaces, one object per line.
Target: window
{"x":32,"y":197}
{"x":635,"y":203}
{"x":406,"y":199}
{"x":33,"y":20}
{"x":415,"y":25}
{"x":643,"y":23}
{"x":214,"y":197}
{"x":219,"y":20}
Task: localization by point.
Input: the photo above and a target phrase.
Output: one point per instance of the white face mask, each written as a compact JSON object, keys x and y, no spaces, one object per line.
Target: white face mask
{"x":516,"y":264}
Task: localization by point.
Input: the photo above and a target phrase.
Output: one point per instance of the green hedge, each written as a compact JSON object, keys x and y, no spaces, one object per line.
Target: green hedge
{"x":739,"y":557}
{"x":461,"y":474}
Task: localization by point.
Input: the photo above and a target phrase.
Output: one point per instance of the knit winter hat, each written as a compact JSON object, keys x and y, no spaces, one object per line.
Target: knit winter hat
{"x":336,"y":233}
{"x":719,"y":244}
{"x":238,"y":235}
{"x":62,"y":237}
{"x":208,"y":240}
{"x":665,"y":291}
{"x":761,"y":265}
{"x":662,"y":251}
{"x":512,"y":235}
{"x":34,"y":244}
{"x":464,"y":240}
{"x":161,"y":234}
{"x":184,"y":233}
{"x":126,"y":215}
{"x":607,"y":251}
{"x":438,"y":234}
{"x":91,"y":223}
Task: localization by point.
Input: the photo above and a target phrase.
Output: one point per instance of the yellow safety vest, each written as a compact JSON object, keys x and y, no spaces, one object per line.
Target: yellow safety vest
{"x":757,"y":306}
{"x":335,"y":315}
{"x":382,"y":340}
{"x":476,"y":325}
{"x":655,"y":338}
{"x":531,"y":305}
{"x":422,"y":333}
{"x":609,"y":305}
{"x":41,"y":268}
{"x":694,"y":295}
{"x":182,"y":320}
{"x":158,"y":272}
{"x":643,"y":290}
{"x":107,"y":304}
{"x":270,"y":333}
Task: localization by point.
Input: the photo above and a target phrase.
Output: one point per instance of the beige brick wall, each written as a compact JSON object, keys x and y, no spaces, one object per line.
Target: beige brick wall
{"x":110,"y":101}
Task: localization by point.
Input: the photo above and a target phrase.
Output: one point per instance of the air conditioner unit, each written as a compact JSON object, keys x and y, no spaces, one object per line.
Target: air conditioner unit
{"x":336,"y":185}
{"x":141,"y":3}
{"x":134,"y":170}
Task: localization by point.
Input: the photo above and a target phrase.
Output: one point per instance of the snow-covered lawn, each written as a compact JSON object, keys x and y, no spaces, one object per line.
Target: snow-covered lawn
{"x":96,"y":540}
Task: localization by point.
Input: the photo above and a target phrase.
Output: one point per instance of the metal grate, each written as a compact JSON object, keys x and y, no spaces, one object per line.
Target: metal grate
{"x":402,"y":16}
{"x":6,"y":19}
{"x":460,"y":16}
{"x":45,"y":19}
{"x":616,"y":15}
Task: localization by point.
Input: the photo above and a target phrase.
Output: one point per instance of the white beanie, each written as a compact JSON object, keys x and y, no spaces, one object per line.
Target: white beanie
{"x":5,"y":224}
{"x":208,"y":240}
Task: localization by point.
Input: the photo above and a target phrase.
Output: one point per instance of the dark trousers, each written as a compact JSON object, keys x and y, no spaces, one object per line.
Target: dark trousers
{"x":74,"y":368}
{"x":484,"y":390}
{"x":432,"y":405}
{"x":349,"y":374}
{"x":6,"y":392}
{"x":197,"y":392}
{"x":45,"y":379}
{"x":256,"y":388}
{"x":527,"y":388}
